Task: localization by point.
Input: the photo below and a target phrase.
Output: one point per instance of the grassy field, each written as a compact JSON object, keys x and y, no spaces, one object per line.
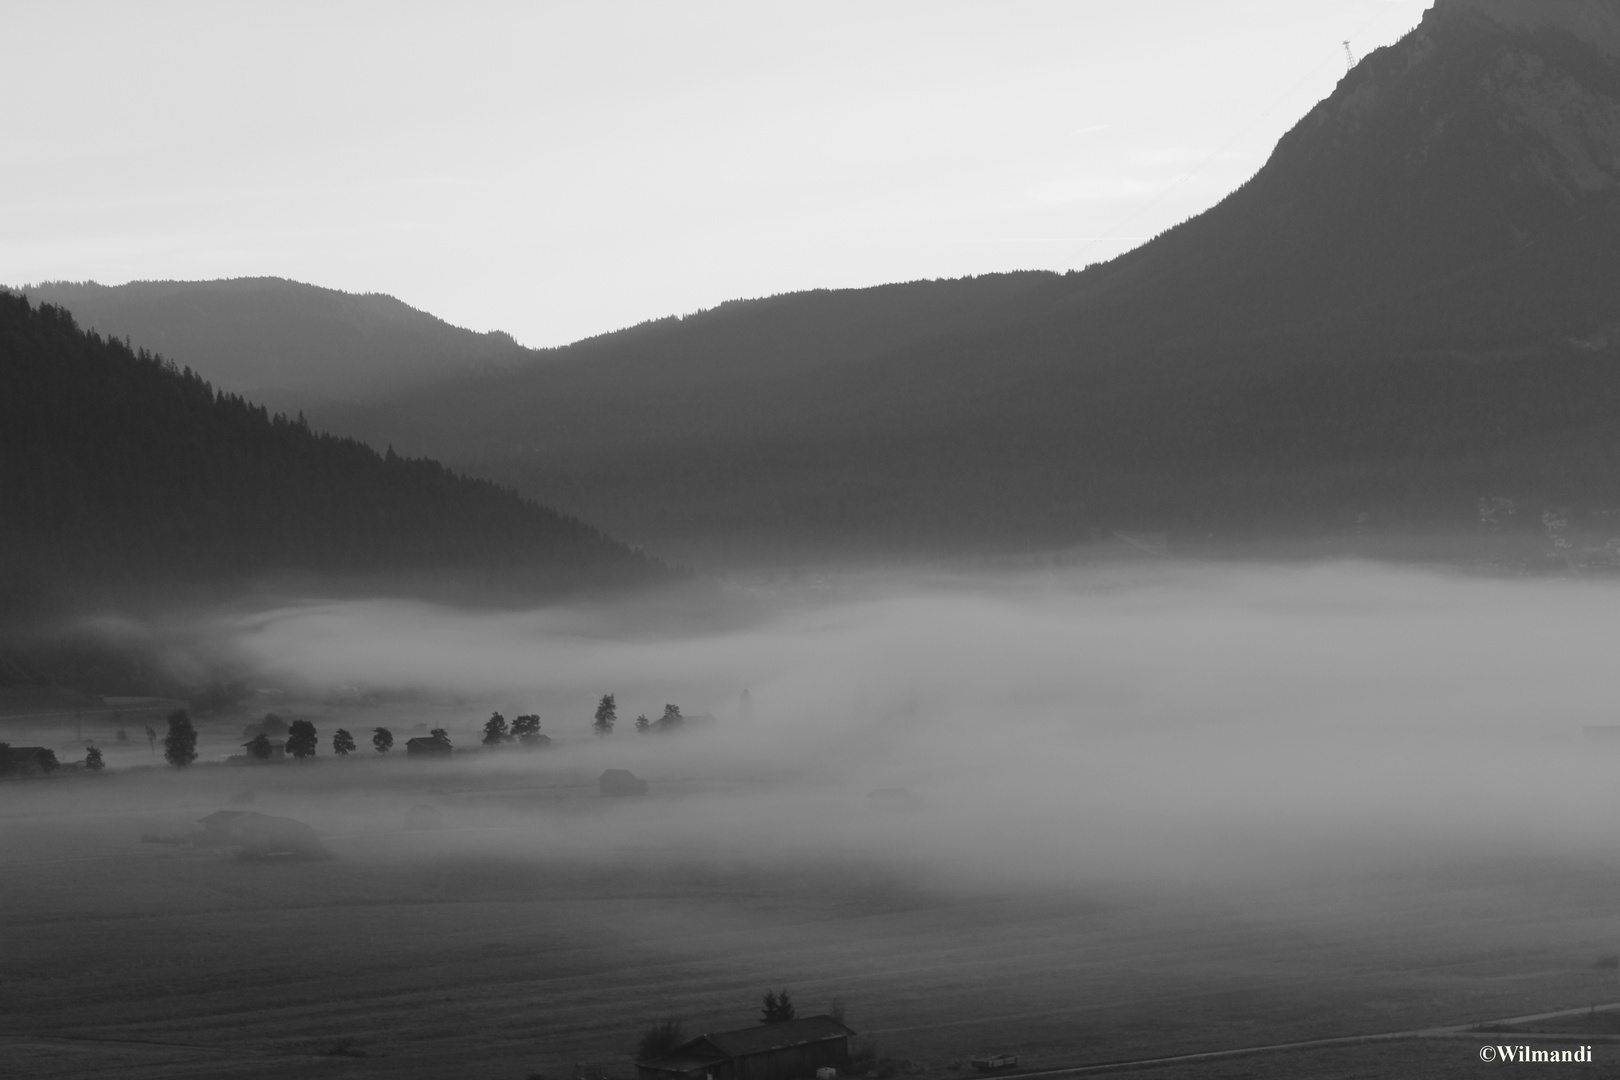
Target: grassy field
{"x":543,"y":926}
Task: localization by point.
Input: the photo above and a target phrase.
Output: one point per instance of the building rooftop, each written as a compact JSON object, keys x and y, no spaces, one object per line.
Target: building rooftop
{"x":762,"y":1038}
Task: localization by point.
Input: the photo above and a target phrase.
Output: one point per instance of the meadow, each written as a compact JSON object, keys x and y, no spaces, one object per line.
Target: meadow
{"x":1075,"y":874}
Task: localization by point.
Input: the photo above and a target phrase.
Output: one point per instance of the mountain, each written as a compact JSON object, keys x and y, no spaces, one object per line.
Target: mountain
{"x":118,"y":468}
{"x":1414,"y":304}
{"x":290,"y":345}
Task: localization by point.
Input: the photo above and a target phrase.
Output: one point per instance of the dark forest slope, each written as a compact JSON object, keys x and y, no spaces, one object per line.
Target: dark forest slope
{"x":287,"y":344}
{"x":117,"y":467}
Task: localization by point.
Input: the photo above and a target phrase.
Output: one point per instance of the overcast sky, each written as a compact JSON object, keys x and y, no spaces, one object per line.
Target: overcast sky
{"x":558,"y":170}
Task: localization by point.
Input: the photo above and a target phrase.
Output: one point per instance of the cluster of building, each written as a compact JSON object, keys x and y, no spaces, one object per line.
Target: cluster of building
{"x":786,"y":1049}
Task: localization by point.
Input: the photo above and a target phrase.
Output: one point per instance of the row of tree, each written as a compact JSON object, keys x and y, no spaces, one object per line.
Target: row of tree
{"x":607,"y":714}
{"x":180,"y":744}
{"x":523,"y":729}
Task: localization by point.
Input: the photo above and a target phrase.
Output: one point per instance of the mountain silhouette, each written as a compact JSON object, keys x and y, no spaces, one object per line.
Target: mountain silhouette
{"x":1414,"y":304}
{"x":117,"y":468}
{"x":287,"y":345}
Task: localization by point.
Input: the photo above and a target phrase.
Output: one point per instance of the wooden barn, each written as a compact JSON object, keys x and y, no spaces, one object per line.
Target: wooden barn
{"x":277,"y":749}
{"x":427,"y":747}
{"x":785,"y":1050}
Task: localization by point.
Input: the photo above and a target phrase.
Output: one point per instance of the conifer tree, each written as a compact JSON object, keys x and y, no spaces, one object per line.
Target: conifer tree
{"x":607,"y":712}
{"x":180,"y":744}
{"x":495,"y":730}
{"x":778,"y":1007}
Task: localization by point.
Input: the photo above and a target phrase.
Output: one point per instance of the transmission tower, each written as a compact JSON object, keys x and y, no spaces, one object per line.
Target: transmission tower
{"x":1349,"y":57}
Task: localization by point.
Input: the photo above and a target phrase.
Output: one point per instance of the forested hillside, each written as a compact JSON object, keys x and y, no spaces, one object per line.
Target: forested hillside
{"x":283,"y":343}
{"x":115,"y":466}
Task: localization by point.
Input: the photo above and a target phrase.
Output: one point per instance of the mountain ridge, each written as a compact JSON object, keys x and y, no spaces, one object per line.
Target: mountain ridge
{"x":1413,"y":304}
{"x":1446,"y":210}
{"x":293,"y":345}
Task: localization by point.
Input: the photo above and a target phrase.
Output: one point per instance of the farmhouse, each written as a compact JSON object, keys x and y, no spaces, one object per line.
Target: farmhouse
{"x":621,"y":782}
{"x":277,"y":749}
{"x":778,"y":1051}
{"x":425,"y":746}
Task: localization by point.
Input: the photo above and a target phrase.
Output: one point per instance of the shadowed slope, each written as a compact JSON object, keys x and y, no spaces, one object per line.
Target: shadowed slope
{"x":117,"y":467}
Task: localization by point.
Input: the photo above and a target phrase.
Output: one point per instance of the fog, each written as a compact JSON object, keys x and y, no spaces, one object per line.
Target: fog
{"x":1169,"y":722}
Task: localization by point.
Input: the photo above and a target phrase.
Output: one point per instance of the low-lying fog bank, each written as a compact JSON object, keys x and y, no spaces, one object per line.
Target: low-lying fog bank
{"x":1178,"y":720}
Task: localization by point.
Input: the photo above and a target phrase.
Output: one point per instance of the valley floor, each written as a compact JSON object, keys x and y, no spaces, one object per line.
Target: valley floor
{"x":487,"y":948}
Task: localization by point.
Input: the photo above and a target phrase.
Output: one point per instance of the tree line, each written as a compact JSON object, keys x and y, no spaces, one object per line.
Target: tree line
{"x":303,"y":738}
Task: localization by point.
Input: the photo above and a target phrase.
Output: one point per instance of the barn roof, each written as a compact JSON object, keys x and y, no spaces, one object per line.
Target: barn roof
{"x":682,"y":1063}
{"x":763,"y":1038}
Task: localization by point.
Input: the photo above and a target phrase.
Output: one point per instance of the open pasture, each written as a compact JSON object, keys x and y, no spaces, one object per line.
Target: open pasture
{"x":1117,"y":818}
{"x":541,"y":928}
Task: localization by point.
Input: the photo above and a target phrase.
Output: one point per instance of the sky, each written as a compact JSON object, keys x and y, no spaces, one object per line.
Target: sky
{"x":560,"y":170}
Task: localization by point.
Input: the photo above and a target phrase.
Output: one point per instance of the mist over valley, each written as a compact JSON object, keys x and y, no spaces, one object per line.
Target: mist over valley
{"x":1189,"y":655}
{"x":1057,"y":810}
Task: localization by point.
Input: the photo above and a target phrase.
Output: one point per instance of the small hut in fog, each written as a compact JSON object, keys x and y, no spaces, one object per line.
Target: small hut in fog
{"x":425,"y":746}
{"x":274,"y":749}
{"x":257,"y":835}
{"x":786,"y":1048}
{"x":621,"y":782}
